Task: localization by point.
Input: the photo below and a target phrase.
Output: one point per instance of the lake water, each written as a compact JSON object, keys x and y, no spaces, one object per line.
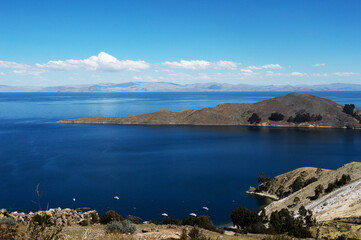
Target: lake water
{"x":153,"y":169}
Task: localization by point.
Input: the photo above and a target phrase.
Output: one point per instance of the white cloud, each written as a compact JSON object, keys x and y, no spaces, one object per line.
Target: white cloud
{"x":319,"y":65}
{"x":267,"y":66}
{"x":336,"y":74}
{"x":225,"y":65}
{"x":299,"y":74}
{"x":201,"y":65}
{"x":272,"y":66}
{"x":2,"y":74}
{"x":254,"y":68}
{"x":191,"y":65}
{"x":29,"y":71}
{"x":6,"y":64}
{"x":345,"y":74}
{"x":246,"y":70}
{"x":103,"y":62}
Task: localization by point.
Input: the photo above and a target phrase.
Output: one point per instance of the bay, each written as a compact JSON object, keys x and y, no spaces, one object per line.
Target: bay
{"x":153,"y":169}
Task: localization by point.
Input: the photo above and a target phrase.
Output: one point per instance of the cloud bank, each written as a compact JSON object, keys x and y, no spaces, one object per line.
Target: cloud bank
{"x":103,"y":62}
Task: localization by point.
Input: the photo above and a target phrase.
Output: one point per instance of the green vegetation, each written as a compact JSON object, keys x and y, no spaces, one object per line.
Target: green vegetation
{"x":202,"y":222}
{"x":345,"y":179}
{"x":297,"y":184}
{"x":264,"y":181}
{"x":318,"y":191}
{"x":8,"y":221}
{"x":109,"y":217}
{"x":254,"y":119}
{"x":42,"y":220}
{"x":247,"y":220}
{"x":171,"y":221}
{"x":276,"y":117}
{"x":283,"y":222}
{"x":194,"y":234}
{"x":349,"y":109}
{"x":134,"y":219}
{"x":280,"y":222}
{"x":124,"y":226}
{"x":304,"y":117}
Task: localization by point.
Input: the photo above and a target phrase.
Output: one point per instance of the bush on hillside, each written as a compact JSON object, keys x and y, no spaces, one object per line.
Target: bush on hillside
{"x":349,"y":109}
{"x":124,"y":226}
{"x":276,"y":117}
{"x":247,"y":220}
{"x":254,"y":119}
{"x":200,"y":221}
{"x":345,"y":179}
{"x":109,"y":217}
{"x":304,"y":117}
{"x":134,"y":219}
{"x":171,"y":221}
{"x":8,"y":221}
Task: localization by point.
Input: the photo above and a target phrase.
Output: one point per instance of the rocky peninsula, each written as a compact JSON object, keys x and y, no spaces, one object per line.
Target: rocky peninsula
{"x":291,"y":110}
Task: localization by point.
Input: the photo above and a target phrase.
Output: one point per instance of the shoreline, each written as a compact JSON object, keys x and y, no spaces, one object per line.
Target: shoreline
{"x":72,"y":121}
{"x":264,"y":195}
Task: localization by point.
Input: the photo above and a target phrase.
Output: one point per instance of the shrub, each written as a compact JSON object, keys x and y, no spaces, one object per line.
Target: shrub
{"x":297,"y":184}
{"x":109,"y":217}
{"x":200,"y":221}
{"x":309,"y":181}
{"x":283,"y":222}
{"x":349,"y":108}
{"x":304,"y":117}
{"x":254,"y":119}
{"x":262,"y":178}
{"x":245,"y":219}
{"x":41,"y":227}
{"x":8,"y":221}
{"x":196,"y":234}
{"x":276,"y":117}
{"x":345,"y":179}
{"x":42,"y":220}
{"x":94,"y":217}
{"x":318,"y":191}
{"x":124,"y":226}
{"x":134,"y":219}
{"x":171,"y":221}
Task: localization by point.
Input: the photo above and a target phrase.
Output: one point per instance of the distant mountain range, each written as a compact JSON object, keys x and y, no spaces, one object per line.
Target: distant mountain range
{"x":172,"y":87}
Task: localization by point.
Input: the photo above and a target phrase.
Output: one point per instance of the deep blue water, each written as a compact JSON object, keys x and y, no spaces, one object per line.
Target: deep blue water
{"x":155,"y":169}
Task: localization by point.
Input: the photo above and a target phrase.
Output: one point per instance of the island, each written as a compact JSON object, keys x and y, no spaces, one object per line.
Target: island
{"x":291,"y":110}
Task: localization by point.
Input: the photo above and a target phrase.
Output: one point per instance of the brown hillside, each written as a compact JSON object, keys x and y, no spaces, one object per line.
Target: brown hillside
{"x":239,"y":113}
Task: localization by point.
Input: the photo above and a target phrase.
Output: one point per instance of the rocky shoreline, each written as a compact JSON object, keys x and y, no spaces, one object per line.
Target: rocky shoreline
{"x":58,"y":216}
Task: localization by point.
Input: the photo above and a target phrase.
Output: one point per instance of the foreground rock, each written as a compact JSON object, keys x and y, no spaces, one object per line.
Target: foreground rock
{"x":59,"y":217}
{"x":239,"y":113}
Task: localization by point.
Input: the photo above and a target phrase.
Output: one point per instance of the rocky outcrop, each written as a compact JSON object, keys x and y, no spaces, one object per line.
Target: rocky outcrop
{"x":239,"y":113}
{"x":342,"y":202}
{"x":59,"y":217}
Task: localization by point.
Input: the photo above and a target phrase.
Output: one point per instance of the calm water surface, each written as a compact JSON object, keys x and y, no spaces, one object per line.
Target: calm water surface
{"x":153,"y":169}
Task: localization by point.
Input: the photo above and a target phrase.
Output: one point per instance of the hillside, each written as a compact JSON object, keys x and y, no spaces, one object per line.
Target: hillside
{"x":342,"y":202}
{"x":330,"y":114}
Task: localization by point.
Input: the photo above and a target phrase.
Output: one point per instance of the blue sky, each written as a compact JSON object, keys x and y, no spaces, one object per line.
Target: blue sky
{"x":255,"y":42}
